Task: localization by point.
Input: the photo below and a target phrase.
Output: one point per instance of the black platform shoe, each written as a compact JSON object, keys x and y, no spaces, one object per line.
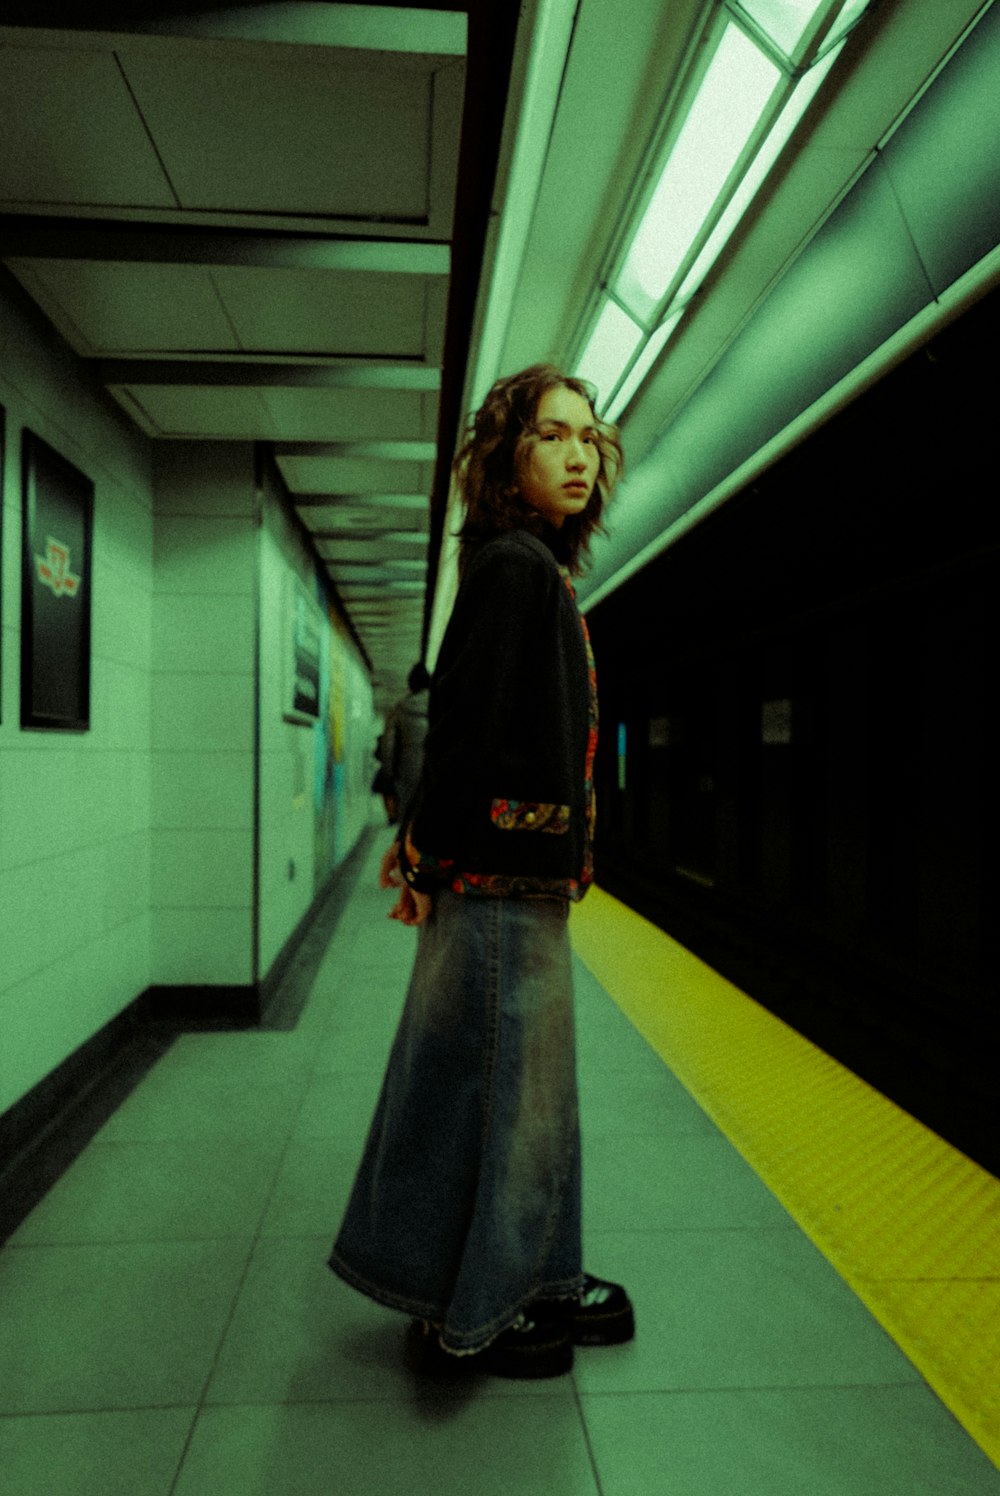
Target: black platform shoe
{"x":601,"y":1314}
{"x":538,"y":1344}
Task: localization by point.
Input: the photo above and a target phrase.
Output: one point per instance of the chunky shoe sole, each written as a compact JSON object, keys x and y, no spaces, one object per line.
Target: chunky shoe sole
{"x":601,"y":1314}
{"x":546,"y":1351}
{"x":531,"y":1351}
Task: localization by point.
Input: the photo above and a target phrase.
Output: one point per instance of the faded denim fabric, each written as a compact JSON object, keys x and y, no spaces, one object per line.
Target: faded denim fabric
{"x":466,"y":1206}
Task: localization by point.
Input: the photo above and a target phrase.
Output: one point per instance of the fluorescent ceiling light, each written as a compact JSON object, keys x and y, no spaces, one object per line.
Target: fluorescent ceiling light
{"x":777,"y":138}
{"x":742,"y":113}
{"x":785,"y":21}
{"x":647,"y":358}
{"x":727,"y":109}
{"x":609,"y":349}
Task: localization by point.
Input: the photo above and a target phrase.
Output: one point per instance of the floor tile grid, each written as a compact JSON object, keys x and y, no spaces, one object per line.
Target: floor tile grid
{"x":187,"y":1476}
{"x":753,"y":1372}
{"x":317,"y":1019}
{"x":54,"y":1230}
{"x":305,"y":1079}
{"x":706,"y":1200}
{"x":367,"y":1337}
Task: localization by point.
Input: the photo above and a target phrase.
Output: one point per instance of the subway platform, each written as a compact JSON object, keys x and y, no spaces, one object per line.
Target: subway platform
{"x":170,"y":1327}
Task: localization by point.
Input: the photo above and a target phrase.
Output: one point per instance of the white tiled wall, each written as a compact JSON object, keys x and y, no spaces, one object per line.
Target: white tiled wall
{"x":202,"y":719}
{"x":74,"y":807}
{"x":127,"y":852}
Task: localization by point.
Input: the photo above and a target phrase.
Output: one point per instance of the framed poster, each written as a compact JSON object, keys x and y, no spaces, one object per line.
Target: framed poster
{"x":58,"y":505}
{"x":304,"y":647}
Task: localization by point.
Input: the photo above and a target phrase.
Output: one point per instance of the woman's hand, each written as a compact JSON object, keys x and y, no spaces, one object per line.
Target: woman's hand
{"x":412,"y":907}
{"x":389,"y":875}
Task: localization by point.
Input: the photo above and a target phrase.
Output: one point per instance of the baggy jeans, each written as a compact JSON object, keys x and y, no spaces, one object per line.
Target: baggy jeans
{"x":466,"y":1205}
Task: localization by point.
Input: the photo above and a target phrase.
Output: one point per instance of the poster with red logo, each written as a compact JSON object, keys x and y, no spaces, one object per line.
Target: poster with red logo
{"x":55,"y":593}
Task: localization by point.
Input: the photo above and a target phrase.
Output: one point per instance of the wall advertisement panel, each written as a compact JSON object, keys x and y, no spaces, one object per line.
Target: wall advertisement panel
{"x":58,"y":509}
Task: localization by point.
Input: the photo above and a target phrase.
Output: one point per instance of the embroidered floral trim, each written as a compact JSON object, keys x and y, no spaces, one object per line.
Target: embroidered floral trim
{"x":530,"y":815}
{"x":419,"y":864}
{"x":513,"y":885}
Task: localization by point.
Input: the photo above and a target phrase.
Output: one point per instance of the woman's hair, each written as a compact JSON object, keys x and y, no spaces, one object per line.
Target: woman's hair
{"x":486,"y":466}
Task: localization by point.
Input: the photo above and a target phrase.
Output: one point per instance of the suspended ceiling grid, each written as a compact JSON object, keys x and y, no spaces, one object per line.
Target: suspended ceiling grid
{"x":243,"y":219}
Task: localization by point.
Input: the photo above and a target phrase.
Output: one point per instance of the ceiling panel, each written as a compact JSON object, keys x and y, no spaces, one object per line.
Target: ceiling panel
{"x":226,"y":414}
{"x":296,"y":135}
{"x":109,"y":308}
{"x":376,"y":551}
{"x":353,"y":475}
{"x":345,"y":415}
{"x":380,"y":610}
{"x":348,"y":517}
{"x":314,"y":311}
{"x":244,"y":216}
{"x":944,"y":166}
{"x":71,"y":133}
{"x":402,"y":589}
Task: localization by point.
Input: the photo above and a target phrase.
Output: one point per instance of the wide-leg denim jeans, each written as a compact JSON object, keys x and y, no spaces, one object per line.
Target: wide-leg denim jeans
{"x":466,"y":1206}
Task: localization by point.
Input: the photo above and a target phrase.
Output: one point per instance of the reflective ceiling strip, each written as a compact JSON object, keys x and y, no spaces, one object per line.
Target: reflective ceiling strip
{"x":929,"y":202}
{"x":43,"y":237}
{"x":262,"y":374}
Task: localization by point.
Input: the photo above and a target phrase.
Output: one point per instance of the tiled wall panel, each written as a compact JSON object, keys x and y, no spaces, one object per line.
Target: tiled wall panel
{"x":74,"y":807}
{"x":203,"y":712}
{"x":127,"y":851}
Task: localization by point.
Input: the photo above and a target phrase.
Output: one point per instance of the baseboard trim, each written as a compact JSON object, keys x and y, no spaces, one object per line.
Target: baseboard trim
{"x":49,"y":1127}
{"x":194,"y":1007}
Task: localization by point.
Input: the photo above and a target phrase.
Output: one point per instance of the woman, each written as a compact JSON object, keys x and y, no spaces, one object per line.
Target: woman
{"x":466,"y":1209}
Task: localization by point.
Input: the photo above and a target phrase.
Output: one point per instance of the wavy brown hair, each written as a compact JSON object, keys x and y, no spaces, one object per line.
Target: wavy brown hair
{"x":487,"y":464}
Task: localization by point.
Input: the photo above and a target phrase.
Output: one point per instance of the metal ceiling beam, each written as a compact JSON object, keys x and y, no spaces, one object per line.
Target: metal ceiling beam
{"x":359,"y":501}
{"x":367,"y":28}
{"x":397,"y":569}
{"x":38,"y":236}
{"x":377,"y":451}
{"x":343,"y":554}
{"x":373,"y":537}
{"x":250,"y":373}
{"x":349,"y":589}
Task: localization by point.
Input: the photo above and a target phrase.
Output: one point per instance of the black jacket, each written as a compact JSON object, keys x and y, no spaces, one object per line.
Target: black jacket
{"x":504,"y":804}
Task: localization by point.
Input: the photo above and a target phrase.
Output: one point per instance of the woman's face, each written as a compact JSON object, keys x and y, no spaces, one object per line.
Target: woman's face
{"x":558,"y":460}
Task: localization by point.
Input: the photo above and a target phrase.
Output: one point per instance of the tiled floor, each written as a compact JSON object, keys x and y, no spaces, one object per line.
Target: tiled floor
{"x":169,"y":1324}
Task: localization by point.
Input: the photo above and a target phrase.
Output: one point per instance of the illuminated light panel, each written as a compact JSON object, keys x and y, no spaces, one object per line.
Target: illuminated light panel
{"x":612,"y":343}
{"x":727,"y":108}
{"x":740,"y":88}
{"x":647,"y":358}
{"x":785,"y":21}
{"x":777,"y":139}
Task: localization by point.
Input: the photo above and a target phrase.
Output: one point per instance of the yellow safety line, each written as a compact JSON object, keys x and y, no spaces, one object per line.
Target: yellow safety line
{"x":909,"y":1222}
